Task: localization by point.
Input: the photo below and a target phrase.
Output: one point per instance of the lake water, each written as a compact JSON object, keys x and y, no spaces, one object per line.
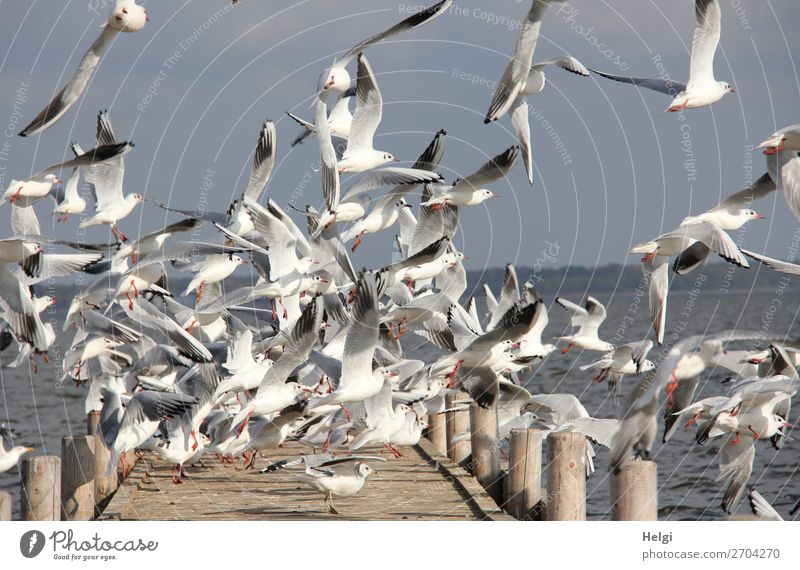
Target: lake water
{"x":43,"y":412}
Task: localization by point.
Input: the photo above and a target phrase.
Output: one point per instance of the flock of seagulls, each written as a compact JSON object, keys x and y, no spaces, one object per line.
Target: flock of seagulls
{"x":312,"y":351}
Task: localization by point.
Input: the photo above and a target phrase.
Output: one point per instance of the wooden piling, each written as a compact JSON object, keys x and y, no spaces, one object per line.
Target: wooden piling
{"x":566,"y":476}
{"x":634,"y":492}
{"x":486,"y":449}
{"x":104,"y":485}
{"x":92,"y":423}
{"x":456,"y":423}
{"x":524,"y":479}
{"x":436,"y":432}
{"x":40,"y":499}
{"x":5,"y":506}
{"x":77,"y":478}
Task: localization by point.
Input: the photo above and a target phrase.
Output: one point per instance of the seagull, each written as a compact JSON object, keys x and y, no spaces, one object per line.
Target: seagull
{"x":477,"y":353}
{"x":469,"y":191}
{"x":352,"y":207}
{"x":337,"y":122}
{"x":702,"y":89}
{"x":111,"y":205}
{"x":69,"y":201}
{"x":784,"y":168}
{"x":360,"y":380}
{"x":142,"y":415}
{"x":336,"y":79}
{"x":588,"y":321}
{"x":40,"y":184}
{"x":629,"y":358}
{"x":638,"y":426}
{"x":359,"y":154}
{"x":681,"y":388}
{"x":674,"y":243}
{"x":127,"y":16}
{"x":788,"y":138}
{"x":753,"y":409}
{"x":333,"y":476}
{"x":276,"y":390}
{"x":729,"y":215}
{"x":379,"y":219}
{"x":535,"y":84}
{"x":213,"y":269}
{"x":761,"y":507}
{"x":517,"y":72}
{"x":382,"y":421}
{"x":10,"y":453}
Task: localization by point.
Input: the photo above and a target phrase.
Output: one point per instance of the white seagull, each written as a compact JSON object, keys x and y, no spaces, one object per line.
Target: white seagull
{"x":127,"y":16}
{"x":702,"y":89}
{"x":333,"y":476}
{"x":588,"y":321}
{"x":337,"y":78}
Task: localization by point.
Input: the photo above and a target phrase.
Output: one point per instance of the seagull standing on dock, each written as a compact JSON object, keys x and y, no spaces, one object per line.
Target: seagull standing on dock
{"x":333,"y":476}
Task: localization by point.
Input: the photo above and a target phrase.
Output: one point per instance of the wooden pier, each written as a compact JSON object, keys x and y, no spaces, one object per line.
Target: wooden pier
{"x":425,"y":483}
{"x":421,"y":485}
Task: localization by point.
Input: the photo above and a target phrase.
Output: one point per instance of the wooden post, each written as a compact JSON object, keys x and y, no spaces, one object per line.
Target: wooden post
{"x":566,"y":476}
{"x":486,"y":450}
{"x":77,"y":478}
{"x":456,"y":423}
{"x":104,"y":485}
{"x":633,"y":492}
{"x":5,"y":506}
{"x":524,"y":480}
{"x":436,"y":432}
{"x":40,"y":499}
{"x":92,"y":423}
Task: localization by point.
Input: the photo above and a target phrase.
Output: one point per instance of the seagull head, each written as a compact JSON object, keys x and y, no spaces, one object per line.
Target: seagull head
{"x":387,"y":157}
{"x":751,"y":215}
{"x":485,"y":194}
{"x":128,"y":16}
{"x":364,"y":470}
{"x":337,"y":80}
{"x":728,"y":88}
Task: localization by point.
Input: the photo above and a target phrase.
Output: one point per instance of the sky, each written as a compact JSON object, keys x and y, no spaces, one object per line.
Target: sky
{"x":611,"y":169}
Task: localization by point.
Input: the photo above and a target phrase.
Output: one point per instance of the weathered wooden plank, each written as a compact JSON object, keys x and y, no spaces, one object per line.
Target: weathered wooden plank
{"x":421,"y":485}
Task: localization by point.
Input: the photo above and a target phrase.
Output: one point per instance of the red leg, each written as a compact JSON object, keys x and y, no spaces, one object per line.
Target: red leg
{"x":359,"y":239}
{"x":244,"y":424}
{"x":570,"y":346}
{"x":452,"y":375}
{"x":16,"y":195}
